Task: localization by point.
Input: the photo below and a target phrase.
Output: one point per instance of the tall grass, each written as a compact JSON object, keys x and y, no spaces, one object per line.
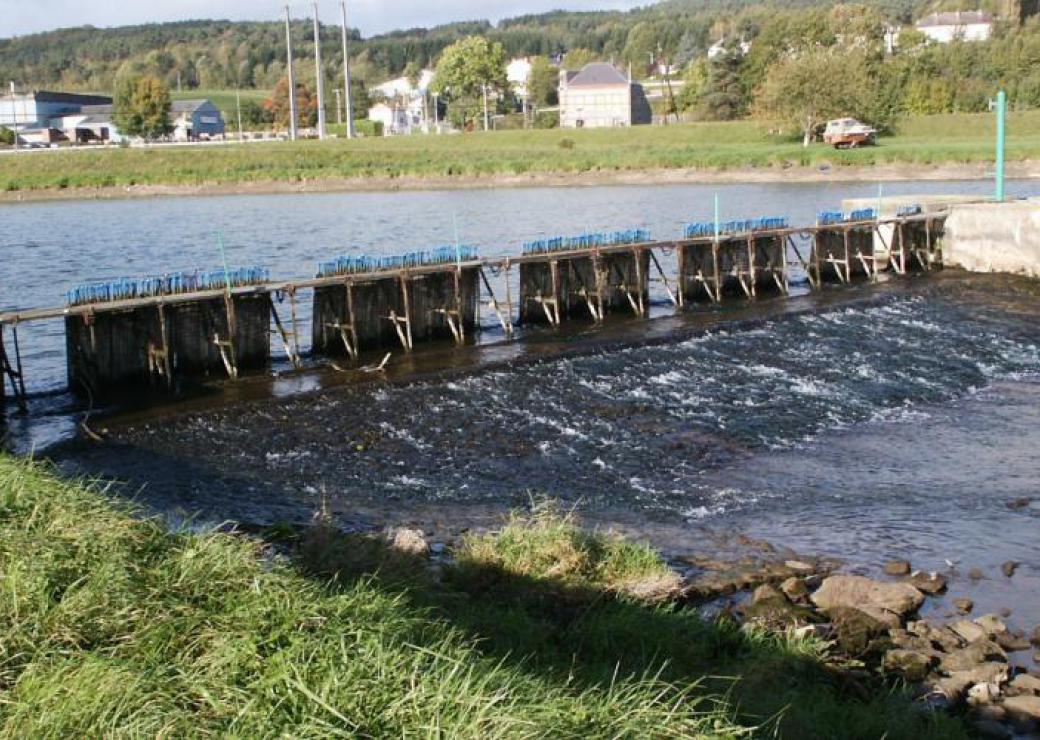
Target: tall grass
{"x":112,"y":626}
{"x":734,"y":145}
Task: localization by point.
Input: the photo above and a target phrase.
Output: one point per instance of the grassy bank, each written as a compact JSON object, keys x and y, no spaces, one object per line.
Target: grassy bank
{"x":111,"y":626}
{"x":736,"y":145}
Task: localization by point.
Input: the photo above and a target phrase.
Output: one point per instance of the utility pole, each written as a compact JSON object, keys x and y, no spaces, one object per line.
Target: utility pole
{"x":319,"y":74}
{"x":339,"y":105}
{"x":348,"y":105}
{"x":292,"y":77}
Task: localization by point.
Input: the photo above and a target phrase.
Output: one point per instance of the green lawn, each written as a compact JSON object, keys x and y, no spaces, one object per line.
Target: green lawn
{"x":111,"y":626}
{"x":954,"y":138}
{"x":223,"y":99}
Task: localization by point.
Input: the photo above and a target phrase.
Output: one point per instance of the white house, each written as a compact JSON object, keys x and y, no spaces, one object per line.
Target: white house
{"x":971,"y":25}
{"x":394,"y":116}
{"x":601,"y":97}
{"x":401,"y":87}
{"x":518,"y":72}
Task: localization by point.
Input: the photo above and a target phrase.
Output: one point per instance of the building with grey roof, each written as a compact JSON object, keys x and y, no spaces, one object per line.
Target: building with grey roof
{"x":599,"y":96}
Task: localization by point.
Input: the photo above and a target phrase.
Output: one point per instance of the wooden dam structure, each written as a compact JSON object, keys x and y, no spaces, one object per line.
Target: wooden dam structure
{"x":156,"y":332}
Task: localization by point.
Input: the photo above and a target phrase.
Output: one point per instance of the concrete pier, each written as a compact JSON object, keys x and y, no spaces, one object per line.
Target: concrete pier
{"x":994,"y":237}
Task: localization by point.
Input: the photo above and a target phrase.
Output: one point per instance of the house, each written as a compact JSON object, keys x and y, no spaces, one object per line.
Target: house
{"x":395,"y":118}
{"x":195,"y":120}
{"x":943,"y":28}
{"x":518,"y":71}
{"x":601,"y":97}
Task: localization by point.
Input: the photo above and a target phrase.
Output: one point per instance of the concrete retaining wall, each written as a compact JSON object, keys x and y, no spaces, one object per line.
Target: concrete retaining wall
{"x":994,"y":237}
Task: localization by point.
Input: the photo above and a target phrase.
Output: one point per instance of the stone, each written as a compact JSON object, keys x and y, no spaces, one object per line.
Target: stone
{"x":953,"y":688}
{"x":1009,"y":568}
{"x":995,"y":673}
{"x":857,"y":632}
{"x":799,"y":566}
{"x":992,"y":712}
{"x":978,"y":652}
{"x":964,"y":606}
{"x":1035,"y":637}
{"x":1024,"y":711}
{"x":1012,"y":643}
{"x":983,"y":693}
{"x":1019,"y":503}
{"x":1023,"y":683}
{"x":767,"y":592}
{"x":857,"y":592}
{"x":945,"y":639}
{"x":910,"y":663}
{"x":992,"y":624}
{"x":795,"y":589}
{"x":968,"y":631}
{"x":992,"y":729}
{"x":929,"y":583}
{"x":897,"y":568}
{"x":976,"y":574}
{"x":411,"y":542}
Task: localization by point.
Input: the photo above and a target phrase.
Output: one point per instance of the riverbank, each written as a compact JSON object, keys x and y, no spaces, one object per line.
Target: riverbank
{"x":1025,"y":170}
{"x":113,"y":623}
{"x":937,"y":147}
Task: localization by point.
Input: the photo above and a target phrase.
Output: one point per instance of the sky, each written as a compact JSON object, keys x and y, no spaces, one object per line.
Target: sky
{"x":20,"y":17}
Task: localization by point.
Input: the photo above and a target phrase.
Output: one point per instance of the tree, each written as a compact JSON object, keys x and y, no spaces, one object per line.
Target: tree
{"x":695,"y":83}
{"x":470,"y":68}
{"x":807,"y":89}
{"x":142,"y":107}
{"x":543,"y":83}
{"x":578,"y":58}
{"x":278,"y":105}
{"x":724,"y":98}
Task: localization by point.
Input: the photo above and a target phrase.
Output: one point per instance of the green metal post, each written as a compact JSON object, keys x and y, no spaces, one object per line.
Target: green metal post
{"x":1001,"y":143}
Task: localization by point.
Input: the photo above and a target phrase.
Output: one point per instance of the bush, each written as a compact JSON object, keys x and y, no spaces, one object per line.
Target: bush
{"x":547,"y":119}
{"x":368,"y":127}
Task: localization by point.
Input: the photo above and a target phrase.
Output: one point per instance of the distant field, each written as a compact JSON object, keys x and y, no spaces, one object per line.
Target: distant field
{"x":951,"y":139}
{"x":223,"y":99}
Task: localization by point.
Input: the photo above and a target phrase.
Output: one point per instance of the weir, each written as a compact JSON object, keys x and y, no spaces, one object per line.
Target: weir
{"x":156,"y":332}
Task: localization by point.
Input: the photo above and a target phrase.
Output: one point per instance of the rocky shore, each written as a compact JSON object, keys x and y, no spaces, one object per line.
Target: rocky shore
{"x":977,"y":668}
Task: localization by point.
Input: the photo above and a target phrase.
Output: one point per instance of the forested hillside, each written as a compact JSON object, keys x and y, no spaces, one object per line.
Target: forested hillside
{"x":223,"y":55}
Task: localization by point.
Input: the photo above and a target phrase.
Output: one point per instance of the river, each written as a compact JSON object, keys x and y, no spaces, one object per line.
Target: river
{"x":899,"y":420}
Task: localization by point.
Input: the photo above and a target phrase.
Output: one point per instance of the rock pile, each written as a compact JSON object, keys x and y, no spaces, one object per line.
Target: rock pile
{"x":962,"y":666}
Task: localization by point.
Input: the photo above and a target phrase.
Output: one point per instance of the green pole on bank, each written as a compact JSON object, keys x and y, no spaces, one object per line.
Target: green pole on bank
{"x":1001,"y":105}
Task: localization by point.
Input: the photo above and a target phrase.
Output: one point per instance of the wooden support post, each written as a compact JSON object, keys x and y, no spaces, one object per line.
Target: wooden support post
{"x":751,"y":266}
{"x":718,"y":277}
{"x":554,"y":271}
{"x":816,"y":257}
{"x":900,"y":265}
{"x":227,"y":348}
{"x":509,"y":296}
{"x":680,"y":282}
{"x":165,"y":369}
{"x":507,"y":326}
{"x":928,"y":241}
{"x":407,"y":310}
{"x":584,"y":291}
{"x":847,"y":262}
{"x":677,"y":302}
{"x":287,"y":345}
{"x":637,"y":257}
{"x":14,"y":374}
{"x":601,"y":278}
{"x":461,"y":338}
{"x":814,"y":280}
{"x":294,"y":331}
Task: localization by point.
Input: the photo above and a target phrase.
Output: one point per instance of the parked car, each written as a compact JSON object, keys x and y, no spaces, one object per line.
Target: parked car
{"x":847,"y":133}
